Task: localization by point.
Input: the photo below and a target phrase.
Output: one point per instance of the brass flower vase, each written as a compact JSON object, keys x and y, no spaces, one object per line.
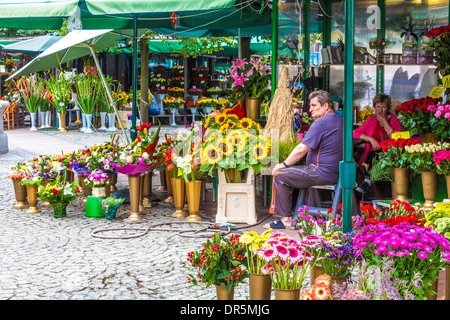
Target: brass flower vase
{"x":113,"y":180}
{"x":430,"y":182}
{"x":193,"y":191}
{"x":169,"y":177}
{"x":147,"y":190}
{"x":316,"y":271}
{"x":20,"y":192}
{"x":87,"y":191}
{"x":134,"y":187}
{"x":178,"y":189}
{"x":142,"y":209}
{"x":253,"y":108}
{"x":45,"y":204}
{"x":401,"y":180}
{"x":260,"y":286}
{"x":287,"y":294}
{"x":32,"y":198}
{"x":223,"y":294}
{"x":62,"y":125}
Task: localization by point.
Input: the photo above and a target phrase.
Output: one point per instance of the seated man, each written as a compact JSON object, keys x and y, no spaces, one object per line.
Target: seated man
{"x":378,"y":127}
{"x":323,"y":148}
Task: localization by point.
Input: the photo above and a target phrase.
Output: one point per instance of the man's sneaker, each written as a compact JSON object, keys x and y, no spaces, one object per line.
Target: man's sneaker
{"x":364,"y":186}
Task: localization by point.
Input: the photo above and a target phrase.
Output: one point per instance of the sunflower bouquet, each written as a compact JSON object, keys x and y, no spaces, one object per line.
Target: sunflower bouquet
{"x":233,"y":143}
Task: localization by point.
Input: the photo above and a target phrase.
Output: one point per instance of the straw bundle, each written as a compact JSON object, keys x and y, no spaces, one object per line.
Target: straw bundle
{"x":281,"y":112}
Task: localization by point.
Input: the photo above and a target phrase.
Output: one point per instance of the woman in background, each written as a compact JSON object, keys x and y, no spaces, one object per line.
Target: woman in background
{"x":378,"y":127}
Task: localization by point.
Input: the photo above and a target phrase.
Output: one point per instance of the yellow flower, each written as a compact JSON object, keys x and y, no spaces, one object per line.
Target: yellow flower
{"x":211,"y":155}
{"x":259,"y":152}
{"x":227,"y":149}
{"x":246,"y":239}
{"x":246,"y":123}
{"x":212,"y":134}
{"x":223,"y":129}
{"x":220,"y":118}
{"x":237,"y":138}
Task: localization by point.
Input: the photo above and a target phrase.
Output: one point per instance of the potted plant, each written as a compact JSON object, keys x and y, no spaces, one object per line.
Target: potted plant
{"x":260,"y":283}
{"x":416,"y":254}
{"x":59,"y":194}
{"x":98,"y":181}
{"x":394,"y":156}
{"x":134,"y":161}
{"x":409,"y":31}
{"x":439,"y":120}
{"x":234,"y":145}
{"x":186,"y":157}
{"x":30,"y":89}
{"x":288,"y":262}
{"x":440,"y":43}
{"x":421,"y":160}
{"x":337,"y":255}
{"x":32,"y":182}
{"x":442,"y":161}
{"x":20,"y":191}
{"x":219,"y":263}
{"x":173,"y":104}
{"x":250,"y":80}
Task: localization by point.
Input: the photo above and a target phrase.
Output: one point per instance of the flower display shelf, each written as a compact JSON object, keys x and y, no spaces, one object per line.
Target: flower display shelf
{"x":236,"y":201}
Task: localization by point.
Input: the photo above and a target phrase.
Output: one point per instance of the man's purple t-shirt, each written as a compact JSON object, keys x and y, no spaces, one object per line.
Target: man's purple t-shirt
{"x":324,"y":138}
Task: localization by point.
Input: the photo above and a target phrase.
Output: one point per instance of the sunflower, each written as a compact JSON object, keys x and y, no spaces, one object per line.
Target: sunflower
{"x":211,"y":155}
{"x":231,"y":124}
{"x":211,"y":134}
{"x":320,"y":291}
{"x":226,"y":148}
{"x":259,"y":152}
{"x":220,"y":118}
{"x":237,"y":138}
{"x":223,"y":129}
{"x":246,"y":123}
{"x":207,"y":121}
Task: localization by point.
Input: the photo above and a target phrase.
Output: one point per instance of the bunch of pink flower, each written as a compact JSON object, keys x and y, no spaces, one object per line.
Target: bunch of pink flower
{"x":413,"y":250}
{"x":442,"y":161}
{"x":287,"y":261}
{"x":97,"y":179}
{"x":440,"y":110}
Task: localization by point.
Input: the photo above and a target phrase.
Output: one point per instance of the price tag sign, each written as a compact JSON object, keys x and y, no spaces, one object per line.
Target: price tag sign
{"x":443,"y":205}
{"x":403,"y":135}
{"x":446,"y":81}
{"x":436,"y":92}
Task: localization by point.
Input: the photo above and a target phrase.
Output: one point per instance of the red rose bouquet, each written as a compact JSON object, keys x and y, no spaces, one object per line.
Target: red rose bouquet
{"x":394,"y":154}
{"x":415,"y":115}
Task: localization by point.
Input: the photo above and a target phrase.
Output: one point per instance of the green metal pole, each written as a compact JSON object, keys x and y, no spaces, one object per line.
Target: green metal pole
{"x":133,"y":133}
{"x":326,"y":35}
{"x":306,"y":28}
{"x":273,"y":83}
{"x":347,"y":167}
{"x":381,"y":33}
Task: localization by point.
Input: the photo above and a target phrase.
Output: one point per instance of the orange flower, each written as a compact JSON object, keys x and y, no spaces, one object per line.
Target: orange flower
{"x":320,"y":291}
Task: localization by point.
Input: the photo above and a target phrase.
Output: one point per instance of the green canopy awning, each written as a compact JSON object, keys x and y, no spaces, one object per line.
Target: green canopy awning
{"x":118,"y":14}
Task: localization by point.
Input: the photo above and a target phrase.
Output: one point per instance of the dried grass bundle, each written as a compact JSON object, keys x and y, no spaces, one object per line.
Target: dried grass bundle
{"x":281,"y":112}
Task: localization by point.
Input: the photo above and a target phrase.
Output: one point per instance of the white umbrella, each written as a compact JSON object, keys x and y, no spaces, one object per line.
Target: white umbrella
{"x":77,"y":44}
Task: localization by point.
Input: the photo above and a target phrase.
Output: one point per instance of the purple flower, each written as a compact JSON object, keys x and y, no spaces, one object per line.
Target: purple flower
{"x":422,"y":255}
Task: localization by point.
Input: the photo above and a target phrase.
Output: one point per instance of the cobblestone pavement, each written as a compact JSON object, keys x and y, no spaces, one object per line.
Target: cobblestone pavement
{"x":47,"y":258}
